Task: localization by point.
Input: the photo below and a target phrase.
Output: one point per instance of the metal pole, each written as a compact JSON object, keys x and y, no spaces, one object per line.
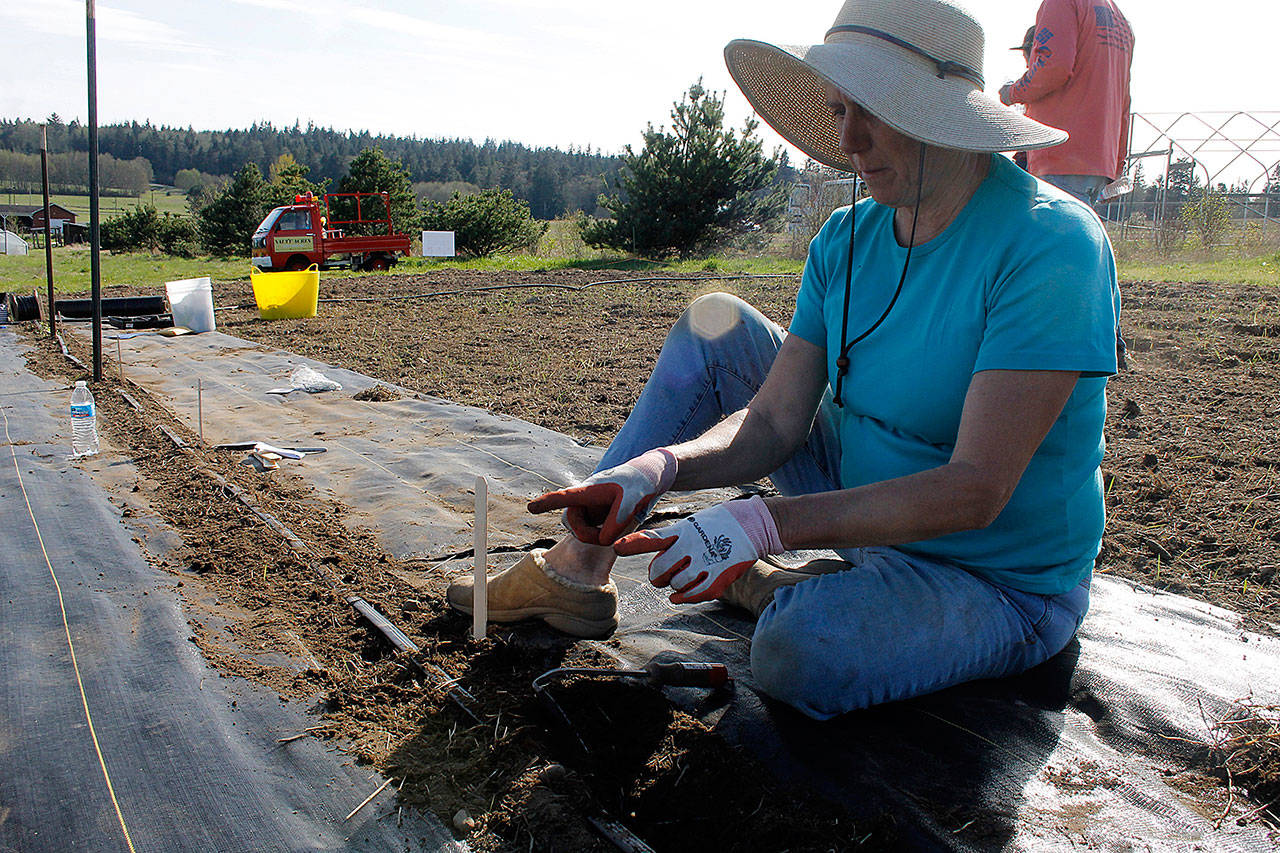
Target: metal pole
{"x":1126,"y":200}
{"x":48,"y":242}
{"x":95,"y":267}
{"x":1164,"y":190}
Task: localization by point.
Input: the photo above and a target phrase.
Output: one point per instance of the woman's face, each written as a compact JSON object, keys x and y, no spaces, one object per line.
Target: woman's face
{"x":888,"y":161}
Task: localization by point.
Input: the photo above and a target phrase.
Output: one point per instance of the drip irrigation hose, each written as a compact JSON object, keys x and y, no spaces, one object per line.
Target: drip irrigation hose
{"x":552,"y":285}
{"x":527,"y":284}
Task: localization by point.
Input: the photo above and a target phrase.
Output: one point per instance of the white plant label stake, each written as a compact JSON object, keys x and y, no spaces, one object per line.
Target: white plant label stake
{"x":480,"y":597}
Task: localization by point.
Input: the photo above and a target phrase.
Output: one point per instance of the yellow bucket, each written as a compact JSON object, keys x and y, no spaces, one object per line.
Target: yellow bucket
{"x":286,"y":295}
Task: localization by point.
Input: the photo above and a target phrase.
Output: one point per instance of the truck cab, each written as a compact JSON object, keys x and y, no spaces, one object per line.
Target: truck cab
{"x":286,"y":239}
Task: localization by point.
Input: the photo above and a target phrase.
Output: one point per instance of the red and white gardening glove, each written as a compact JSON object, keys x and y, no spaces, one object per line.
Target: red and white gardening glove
{"x":701,"y":555}
{"x":610,"y":502}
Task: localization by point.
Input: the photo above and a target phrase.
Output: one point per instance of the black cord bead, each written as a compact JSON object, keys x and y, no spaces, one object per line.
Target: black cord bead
{"x":843,"y":362}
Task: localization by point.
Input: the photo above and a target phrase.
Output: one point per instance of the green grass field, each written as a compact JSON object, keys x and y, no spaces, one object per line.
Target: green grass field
{"x":71,"y":266}
{"x":71,"y":270}
{"x":166,"y":201}
{"x":1259,"y":270}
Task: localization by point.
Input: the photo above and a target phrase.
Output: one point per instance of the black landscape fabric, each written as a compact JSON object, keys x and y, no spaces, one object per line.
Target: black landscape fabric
{"x":177,"y":758}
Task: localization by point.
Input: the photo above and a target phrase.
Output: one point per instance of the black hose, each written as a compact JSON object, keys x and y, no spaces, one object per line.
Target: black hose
{"x":22,"y":308}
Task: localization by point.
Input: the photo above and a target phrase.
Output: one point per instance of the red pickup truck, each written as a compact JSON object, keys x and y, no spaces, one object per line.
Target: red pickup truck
{"x":298,"y":235}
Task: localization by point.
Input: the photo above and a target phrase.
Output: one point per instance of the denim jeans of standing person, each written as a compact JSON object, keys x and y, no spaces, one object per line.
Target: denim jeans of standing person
{"x":891,"y":626}
{"x":1084,"y":187}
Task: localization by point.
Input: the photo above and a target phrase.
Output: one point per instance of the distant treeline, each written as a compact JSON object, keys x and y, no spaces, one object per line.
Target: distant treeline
{"x":550,"y":180}
{"x":69,"y":173}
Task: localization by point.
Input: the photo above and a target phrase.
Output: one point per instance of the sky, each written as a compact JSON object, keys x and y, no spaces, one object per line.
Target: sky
{"x":555,"y":73}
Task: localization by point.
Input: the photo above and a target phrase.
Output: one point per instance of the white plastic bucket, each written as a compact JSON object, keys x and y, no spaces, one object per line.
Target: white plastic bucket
{"x":191,"y":300}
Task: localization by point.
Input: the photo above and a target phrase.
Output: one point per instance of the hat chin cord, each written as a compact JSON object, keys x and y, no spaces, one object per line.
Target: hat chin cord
{"x":842,"y":361}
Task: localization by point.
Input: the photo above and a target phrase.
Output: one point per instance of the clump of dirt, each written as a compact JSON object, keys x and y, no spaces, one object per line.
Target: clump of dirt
{"x":1085,"y":776}
{"x":666,"y":771}
{"x":457,"y":725}
{"x":377,"y":394}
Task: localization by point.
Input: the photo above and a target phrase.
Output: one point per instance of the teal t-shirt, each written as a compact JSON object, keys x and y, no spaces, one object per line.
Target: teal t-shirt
{"x":1023,"y":279}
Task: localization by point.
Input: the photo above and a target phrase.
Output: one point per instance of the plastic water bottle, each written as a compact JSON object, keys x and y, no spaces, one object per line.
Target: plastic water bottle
{"x":84,"y":421}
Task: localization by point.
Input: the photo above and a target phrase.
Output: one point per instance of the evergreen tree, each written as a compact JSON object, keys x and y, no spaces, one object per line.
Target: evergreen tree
{"x":228,"y":220}
{"x":288,"y":180}
{"x":692,"y":189}
{"x":1182,"y":184}
{"x":372,"y":171}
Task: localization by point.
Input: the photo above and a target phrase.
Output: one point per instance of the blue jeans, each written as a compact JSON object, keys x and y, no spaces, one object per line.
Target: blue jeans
{"x":892,"y":626}
{"x":1084,"y":187}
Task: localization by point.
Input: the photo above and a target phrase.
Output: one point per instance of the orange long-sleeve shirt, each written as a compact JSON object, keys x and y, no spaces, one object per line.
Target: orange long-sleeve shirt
{"x":1078,"y":80}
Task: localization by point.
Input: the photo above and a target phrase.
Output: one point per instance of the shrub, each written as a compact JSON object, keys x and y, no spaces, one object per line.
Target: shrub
{"x":1208,"y":217}
{"x":143,"y":229}
{"x":484,"y":224}
{"x":179,"y":236}
{"x":563,"y":238}
{"x":1170,"y":235}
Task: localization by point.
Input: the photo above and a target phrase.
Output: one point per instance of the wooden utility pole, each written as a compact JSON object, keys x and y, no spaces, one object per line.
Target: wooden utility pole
{"x":48,"y":243}
{"x":95,"y":236}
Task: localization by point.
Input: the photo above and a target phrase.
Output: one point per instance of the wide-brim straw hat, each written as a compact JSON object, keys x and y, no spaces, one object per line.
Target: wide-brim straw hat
{"x":914,"y":64}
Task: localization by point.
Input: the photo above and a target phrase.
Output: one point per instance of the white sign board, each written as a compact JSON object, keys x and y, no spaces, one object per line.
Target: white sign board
{"x":437,"y":244}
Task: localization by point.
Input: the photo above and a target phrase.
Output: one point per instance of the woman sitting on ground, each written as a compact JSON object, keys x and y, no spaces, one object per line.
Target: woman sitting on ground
{"x":934,"y":412}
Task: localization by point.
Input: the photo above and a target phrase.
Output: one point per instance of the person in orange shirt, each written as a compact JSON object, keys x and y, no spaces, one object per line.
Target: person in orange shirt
{"x":1077,"y":79}
{"x":1028,"y":42}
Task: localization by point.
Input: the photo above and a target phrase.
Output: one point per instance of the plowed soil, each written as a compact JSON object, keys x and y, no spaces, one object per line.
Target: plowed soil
{"x":1192,"y":496}
{"x":1193,"y":429}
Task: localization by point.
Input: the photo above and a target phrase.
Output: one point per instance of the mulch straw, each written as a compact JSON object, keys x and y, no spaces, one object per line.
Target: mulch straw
{"x":377,"y":394}
{"x":1247,"y":753}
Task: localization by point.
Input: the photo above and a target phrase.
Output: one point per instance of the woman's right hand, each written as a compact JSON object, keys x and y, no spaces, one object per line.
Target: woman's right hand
{"x":610,"y":503}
